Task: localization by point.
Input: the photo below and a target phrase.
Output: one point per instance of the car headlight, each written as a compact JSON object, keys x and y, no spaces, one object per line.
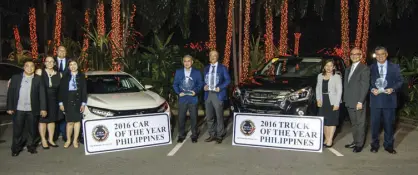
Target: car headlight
{"x":300,"y":95}
{"x":163,"y":107}
{"x":101,"y":112}
{"x":237,"y":92}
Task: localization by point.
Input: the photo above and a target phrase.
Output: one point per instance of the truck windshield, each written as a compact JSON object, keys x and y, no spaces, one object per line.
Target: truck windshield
{"x":305,"y":67}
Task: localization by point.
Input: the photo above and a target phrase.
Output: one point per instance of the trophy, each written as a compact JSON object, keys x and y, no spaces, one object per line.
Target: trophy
{"x":212,"y":80}
{"x":381,"y":84}
{"x":187,"y":85}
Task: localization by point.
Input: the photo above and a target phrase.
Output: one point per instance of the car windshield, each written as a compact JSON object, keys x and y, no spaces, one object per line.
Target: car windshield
{"x":305,"y":67}
{"x":107,"y":84}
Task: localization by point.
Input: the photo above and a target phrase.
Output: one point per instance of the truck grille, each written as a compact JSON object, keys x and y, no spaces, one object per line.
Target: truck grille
{"x":266,"y":98}
{"x":135,"y":112}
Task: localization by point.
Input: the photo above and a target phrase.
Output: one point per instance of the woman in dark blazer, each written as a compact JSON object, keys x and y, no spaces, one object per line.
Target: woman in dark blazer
{"x":72,"y":101}
{"x":328,"y":96}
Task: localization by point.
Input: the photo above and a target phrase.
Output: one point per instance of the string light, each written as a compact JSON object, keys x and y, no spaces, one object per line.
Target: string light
{"x":18,"y":44}
{"x":57,"y":30}
{"x":131,"y":20}
{"x":283,"y":28}
{"x":212,"y":25}
{"x":365,"y":29}
{"x":33,"y":37}
{"x":359,"y":24}
{"x":297,"y":39}
{"x":84,"y":53}
{"x":227,"y":52}
{"x":100,"y":19}
{"x":246,"y":58}
{"x":268,"y":43}
{"x":115,"y":34}
{"x":345,"y":40}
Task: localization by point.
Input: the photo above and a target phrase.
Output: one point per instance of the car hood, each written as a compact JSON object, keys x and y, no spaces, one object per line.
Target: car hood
{"x":125,"y":101}
{"x":279,"y":83}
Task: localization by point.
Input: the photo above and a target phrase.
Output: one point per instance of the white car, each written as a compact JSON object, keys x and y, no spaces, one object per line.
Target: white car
{"x":112,"y":94}
{"x":6,"y":72}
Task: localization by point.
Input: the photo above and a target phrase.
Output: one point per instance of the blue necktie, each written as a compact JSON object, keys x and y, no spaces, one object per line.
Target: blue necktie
{"x":213,"y":77}
{"x":61,"y":66}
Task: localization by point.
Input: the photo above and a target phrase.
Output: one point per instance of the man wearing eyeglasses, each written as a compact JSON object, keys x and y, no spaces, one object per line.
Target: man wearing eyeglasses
{"x":356,"y":87}
{"x":62,"y":67}
{"x":386,"y":81}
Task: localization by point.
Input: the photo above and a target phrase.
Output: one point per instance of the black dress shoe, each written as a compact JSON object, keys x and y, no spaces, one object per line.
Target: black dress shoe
{"x":328,"y":146}
{"x":390,"y":150}
{"x":357,"y":149}
{"x":194,"y":140}
{"x":14,"y":154}
{"x":2,"y":141}
{"x":374,"y":150}
{"x":218,"y":141}
{"x":180,"y":140}
{"x":351,"y":145}
{"x":32,"y":150}
{"x":210,"y":139}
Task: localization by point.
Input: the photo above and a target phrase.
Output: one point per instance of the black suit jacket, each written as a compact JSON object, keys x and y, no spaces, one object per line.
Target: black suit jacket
{"x":37,"y":97}
{"x":66,"y":69}
{"x":81,"y":89}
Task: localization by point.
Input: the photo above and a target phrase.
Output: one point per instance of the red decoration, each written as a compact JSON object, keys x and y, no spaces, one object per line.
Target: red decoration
{"x":283,"y":28}
{"x":359,"y":24}
{"x":297,"y":39}
{"x":85,"y":40}
{"x":365,"y":30}
{"x":100,"y":19}
{"x":212,"y":25}
{"x":57,"y":30}
{"x":345,"y":40}
{"x":116,"y":34}
{"x":228,"y":43}
{"x":246,"y":58}
{"x":18,"y":44}
{"x":268,"y":43}
{"x":33,"y":37}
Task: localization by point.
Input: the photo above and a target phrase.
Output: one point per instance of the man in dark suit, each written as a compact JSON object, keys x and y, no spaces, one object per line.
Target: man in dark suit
{"x":26,"y":100}
{"x":356,"y":87}
{"x":383,"y":100}
{"x":188,"y":83}
{"x":217,"y":80}
{"x":63,"y":68}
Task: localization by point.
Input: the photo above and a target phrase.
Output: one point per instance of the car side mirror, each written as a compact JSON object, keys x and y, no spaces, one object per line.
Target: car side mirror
{"x":148,"y":87}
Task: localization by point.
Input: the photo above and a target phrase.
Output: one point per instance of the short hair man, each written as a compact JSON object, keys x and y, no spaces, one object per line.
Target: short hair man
{"x":356,"y":87}
{"x":26,"y":100}
{"x":217,"y":80}
{"x":187,"y":84}
{"x":386,"y":80}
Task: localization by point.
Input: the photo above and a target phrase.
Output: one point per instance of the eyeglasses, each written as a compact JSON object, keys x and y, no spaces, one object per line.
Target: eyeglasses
{"x":356,"y":54}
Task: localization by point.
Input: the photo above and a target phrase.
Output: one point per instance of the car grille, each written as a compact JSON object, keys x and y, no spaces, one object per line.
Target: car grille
{"x":135,"y":112}
{"x":265,"y":98}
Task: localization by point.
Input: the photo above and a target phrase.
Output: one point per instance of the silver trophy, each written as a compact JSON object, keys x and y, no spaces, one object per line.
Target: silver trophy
{"x":187,"y":85}
{"x":381,"y":84}
{"x":212,"y":80}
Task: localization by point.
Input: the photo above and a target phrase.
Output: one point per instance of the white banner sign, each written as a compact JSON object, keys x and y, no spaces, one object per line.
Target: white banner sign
{"x":288,"y":132}
{"x":126,"y":132}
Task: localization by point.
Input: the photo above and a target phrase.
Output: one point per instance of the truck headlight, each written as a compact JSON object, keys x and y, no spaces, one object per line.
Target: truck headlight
{"x":300,"y":95}
{"x":100,"y":112}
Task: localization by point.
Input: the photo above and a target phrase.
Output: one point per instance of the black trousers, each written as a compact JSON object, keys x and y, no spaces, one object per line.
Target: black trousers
{"x":192,"y":108}
{"x":24,"y":121}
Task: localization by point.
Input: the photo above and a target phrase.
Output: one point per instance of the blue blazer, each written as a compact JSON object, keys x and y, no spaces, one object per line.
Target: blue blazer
{"x":196,"y":75}
{"x":395,"y":81}
{"x":224,"y":80}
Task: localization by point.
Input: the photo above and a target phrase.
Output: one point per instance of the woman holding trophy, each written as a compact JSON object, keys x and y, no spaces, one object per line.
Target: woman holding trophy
{"x":187,"y":83}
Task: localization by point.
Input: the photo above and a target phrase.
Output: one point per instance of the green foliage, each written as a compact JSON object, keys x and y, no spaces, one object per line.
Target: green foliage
{"x":99,"y":52}
{"x":256,"y":54}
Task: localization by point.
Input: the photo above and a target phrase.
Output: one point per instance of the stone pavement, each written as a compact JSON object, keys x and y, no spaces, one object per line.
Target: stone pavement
{"x":211,"y":159}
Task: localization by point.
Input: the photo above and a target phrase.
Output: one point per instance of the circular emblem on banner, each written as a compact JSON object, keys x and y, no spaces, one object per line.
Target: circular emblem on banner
{"x":100,"y":133}
{"x":247,"y":127}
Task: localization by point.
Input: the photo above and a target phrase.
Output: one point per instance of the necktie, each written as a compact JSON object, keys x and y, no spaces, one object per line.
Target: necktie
{"x":61,"y":66}
{"x":213,"y":77}
{"x":381,"y":71}
{"x":351,"y":72}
